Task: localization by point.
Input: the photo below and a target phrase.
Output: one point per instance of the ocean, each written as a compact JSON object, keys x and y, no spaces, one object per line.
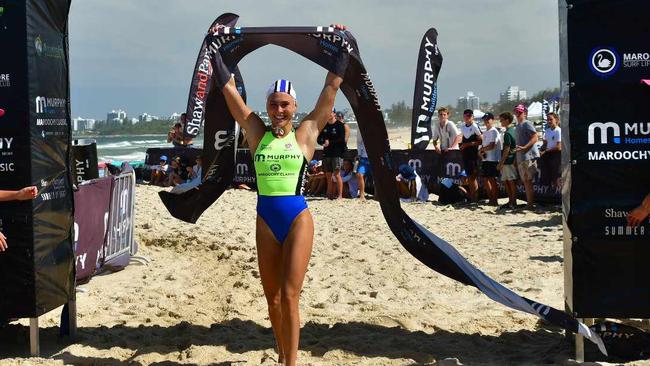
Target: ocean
{"x":129,"y":148}
{"x":133,"y":147}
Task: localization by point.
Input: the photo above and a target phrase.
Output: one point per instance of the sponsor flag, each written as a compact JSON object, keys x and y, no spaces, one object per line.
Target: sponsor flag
{"x":425,"y":95}
{"x":337,"y":52}
{"x":201,"y":82}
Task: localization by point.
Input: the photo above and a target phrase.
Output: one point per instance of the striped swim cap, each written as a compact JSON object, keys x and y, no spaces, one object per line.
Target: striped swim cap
{"x":281,"y":86}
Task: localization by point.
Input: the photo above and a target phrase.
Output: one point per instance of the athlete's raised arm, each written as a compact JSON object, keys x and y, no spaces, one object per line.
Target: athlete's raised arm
{"x":246,"y":118}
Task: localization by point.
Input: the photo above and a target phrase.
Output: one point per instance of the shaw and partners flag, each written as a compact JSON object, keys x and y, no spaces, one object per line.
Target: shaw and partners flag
{"x":425,"y":95}
{"x":337,"y":51}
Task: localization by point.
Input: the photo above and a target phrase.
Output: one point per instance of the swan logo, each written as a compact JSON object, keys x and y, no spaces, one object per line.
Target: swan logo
{"x":604,"y":62}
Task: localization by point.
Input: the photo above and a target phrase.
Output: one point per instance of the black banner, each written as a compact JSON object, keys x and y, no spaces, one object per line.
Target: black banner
{"x":84,"y":163}
{"x":337,"y":51}
{"x":607,"y":157}
{"x":202,"y":83}
{"x":425,"y":95}
{"x":38,"y":268}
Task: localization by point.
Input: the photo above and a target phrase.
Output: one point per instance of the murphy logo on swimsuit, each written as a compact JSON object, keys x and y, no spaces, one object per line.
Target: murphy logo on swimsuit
{"x":606,"y":61}
{"x":625,"y":137}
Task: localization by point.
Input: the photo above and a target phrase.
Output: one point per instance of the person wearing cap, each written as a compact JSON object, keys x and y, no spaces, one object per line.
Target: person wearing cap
{"x":472,"y":139}
{"x":334,"y":147}
{"x":506,"y":164}
{"x":490,"y":151}
{"x":527,"y":152}
{"x":445,"y":133}
{"x":284,"y":225}
{"x":340,"y":117}
{"x":551,"y":151}
{"x":159,"y":172}
{"x":409,"y":184}
{"x":23,"y":194}
{"x":450,"y":192}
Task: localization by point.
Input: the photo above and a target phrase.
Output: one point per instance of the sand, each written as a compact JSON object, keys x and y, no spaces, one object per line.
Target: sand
{"x":366,"y":301}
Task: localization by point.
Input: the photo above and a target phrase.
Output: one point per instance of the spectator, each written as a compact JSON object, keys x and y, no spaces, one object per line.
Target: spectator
{"x":175,"y":135}
{"x":469,"y":149}
{"x":551,"y":151}
{"x":316,"y":180}
{"x":194,"y":176}
{"x":636,"y":216}
{"x":350,"y":182}
{"x":507,"y":162}
{"x":24,"y":194}
{"x":490,"y":151}
{"x":333,"y":140}
{"x":177,"y":174}
{"x":527,"y":152}
{"x":160,"y":172}
{"x":363,"y":166}
{"x":340,"y":116}
{"x":409,"y":185}
{"x":451,"y":192}
{"x":445,"y":132}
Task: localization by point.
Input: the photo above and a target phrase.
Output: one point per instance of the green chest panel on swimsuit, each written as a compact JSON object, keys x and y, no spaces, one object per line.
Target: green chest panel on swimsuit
{"x":279,"y":166}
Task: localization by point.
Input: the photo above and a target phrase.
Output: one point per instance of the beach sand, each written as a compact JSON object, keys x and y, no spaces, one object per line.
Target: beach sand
{"x":366,"y":301}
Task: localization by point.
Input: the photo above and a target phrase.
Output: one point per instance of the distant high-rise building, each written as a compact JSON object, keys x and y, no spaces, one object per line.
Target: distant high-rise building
{"x":116,"y":116}
{"x":512,"y":94}
{"x":82,"y":124}
{"x":469,"y":101}
{"x":146,"y":117}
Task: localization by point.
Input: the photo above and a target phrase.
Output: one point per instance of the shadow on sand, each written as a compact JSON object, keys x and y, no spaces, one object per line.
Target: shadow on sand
{"x":542,"y":346}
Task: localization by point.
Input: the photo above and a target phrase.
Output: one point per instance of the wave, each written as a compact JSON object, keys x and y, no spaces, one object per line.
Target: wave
{"x":139,"y":155}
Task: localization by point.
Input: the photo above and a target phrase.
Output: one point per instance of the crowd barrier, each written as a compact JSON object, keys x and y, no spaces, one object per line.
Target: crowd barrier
{"x":104,"y":224}
{"x":430,"y":166}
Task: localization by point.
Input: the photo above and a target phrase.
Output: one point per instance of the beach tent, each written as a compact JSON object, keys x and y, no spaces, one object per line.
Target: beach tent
{"x":535,"y":109}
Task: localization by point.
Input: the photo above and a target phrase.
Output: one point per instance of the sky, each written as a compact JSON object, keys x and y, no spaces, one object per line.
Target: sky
{"x":138,"y":55}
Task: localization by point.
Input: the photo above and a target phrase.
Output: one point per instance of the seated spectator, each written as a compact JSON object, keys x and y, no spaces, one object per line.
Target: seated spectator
{"x":24,"y":194}
{"x":159,"y":173}
{"x":409,"y":185}
{"x":177,"y":174}
{"x":350,"y":182}
{"x":451,"y":192}
{"x":194,"y":176}
{"x":316,"y":179}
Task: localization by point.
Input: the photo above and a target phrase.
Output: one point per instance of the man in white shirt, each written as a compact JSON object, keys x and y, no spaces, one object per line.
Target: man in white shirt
{"x":472,"y":138}
{"x":551,"y":151}
{"x":445,"y":132}
{"x":490,"y":151}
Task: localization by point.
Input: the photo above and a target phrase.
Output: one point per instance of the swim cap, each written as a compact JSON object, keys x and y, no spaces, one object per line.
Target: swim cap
{"x":281,"y":86}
